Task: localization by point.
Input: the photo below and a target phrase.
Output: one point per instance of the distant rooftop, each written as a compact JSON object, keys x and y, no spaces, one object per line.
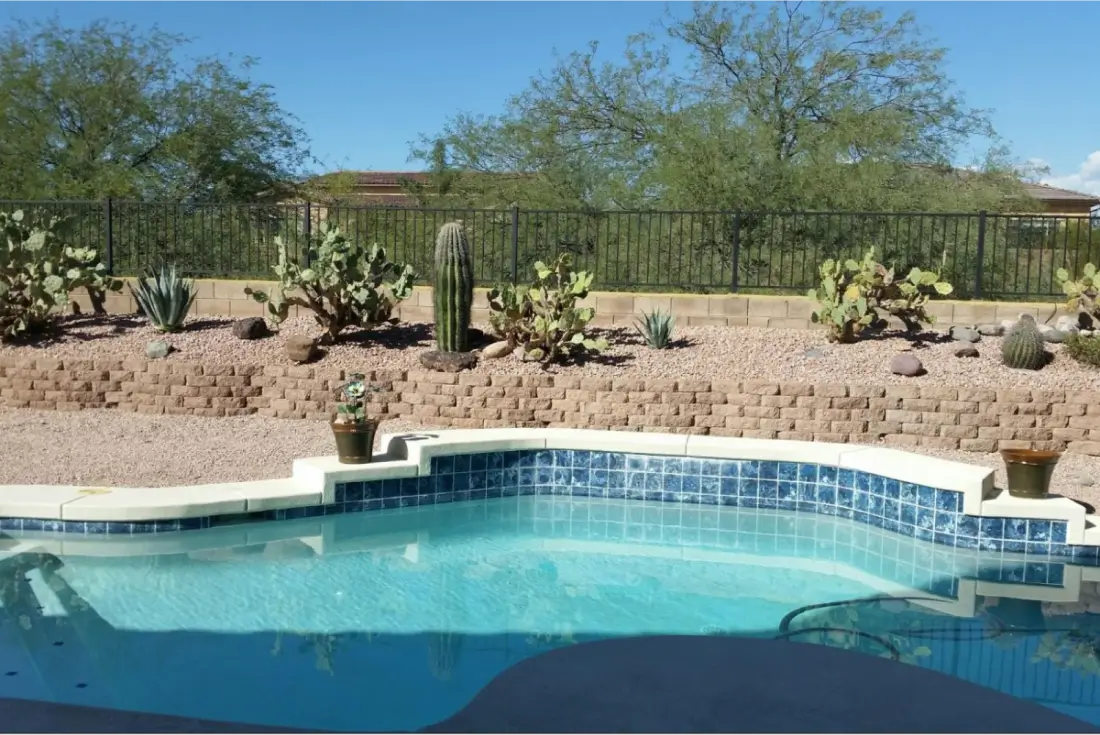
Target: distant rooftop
{"x":1047,"y":193}
{"x":1041,"y":192}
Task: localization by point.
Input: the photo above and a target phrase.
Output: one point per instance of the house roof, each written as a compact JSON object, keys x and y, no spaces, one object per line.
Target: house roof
{"x":1047,"y":193}
{"x":388,"y":178}
{"x":1041,"y":192}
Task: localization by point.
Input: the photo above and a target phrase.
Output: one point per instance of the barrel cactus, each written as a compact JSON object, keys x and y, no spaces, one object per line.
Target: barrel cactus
{"x":1023,"y":345}
{"x":454,"y":288}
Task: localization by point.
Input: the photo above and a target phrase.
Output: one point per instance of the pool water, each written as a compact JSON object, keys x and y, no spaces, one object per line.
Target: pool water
{"x":394,"y":620}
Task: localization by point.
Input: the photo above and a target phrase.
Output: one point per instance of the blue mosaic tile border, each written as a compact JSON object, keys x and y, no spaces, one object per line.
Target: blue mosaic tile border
{"x":913,"y":510}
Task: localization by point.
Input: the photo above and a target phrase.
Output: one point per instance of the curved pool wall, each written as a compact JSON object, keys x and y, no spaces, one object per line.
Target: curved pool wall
{"x":947,"y":503}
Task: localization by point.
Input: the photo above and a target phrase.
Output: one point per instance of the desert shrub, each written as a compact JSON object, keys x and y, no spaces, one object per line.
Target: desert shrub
{"x":164,"y":297}
{"x":39,"y":270}
{"x":543,"y":319}
{"x":856,"y":295}
{"x":1085,"y":350}
{"x":344,"y":283}
{"x":656,"y":328}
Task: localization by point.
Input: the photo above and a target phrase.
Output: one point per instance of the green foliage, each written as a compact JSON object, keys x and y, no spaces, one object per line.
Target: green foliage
{"x":543,"y":319}
{"x":38,"y":271}
{"x":164,"y":297}
{"x":345,"y":283}
{"x":453,"y":295}
{"x":1083,"y":292}
{"x":1023,"y":347}
{"x":351,"y":404}
{"x":1085,"y":350}
{"x":656,"y":328}
{"x":856,"y":295}
{"x":819,"y":106}
{"x":111,"y":110}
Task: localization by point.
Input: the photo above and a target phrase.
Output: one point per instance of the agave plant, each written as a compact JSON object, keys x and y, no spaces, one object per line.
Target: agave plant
{"x":164,"y":297}
{"x":656,"y":328}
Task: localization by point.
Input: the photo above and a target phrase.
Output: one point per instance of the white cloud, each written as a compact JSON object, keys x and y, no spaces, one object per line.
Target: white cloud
{"x":1086,"y":179}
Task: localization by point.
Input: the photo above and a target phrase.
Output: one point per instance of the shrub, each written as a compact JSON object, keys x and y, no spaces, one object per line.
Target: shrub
{"x":164,"y":297}
{"x":656,"y":328}
{"x":1083,"y":292}
{"x":344,"y":283}
{"x":543,"y":319}
{"x":39,"y":270}
{"x":1085,"y":350}
{"x":856,"y":295}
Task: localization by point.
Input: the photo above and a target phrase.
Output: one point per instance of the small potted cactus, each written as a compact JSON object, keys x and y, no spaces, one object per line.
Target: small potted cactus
{"x":353,"y":430}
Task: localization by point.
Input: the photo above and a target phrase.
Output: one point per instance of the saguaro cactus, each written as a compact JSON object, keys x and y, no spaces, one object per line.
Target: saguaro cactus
{"x":454,"y":288}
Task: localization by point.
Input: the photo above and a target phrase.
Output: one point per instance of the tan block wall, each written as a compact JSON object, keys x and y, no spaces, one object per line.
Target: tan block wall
{"x":899,"y":415}
{"x":227,"y":298}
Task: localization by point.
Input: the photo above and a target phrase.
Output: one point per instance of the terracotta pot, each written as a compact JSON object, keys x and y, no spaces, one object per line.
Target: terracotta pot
{"x":1029,"y":471}
{"x":355,"y":442}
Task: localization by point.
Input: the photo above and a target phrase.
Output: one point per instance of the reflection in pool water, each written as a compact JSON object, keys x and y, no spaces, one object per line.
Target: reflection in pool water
{"x":396,"y":619}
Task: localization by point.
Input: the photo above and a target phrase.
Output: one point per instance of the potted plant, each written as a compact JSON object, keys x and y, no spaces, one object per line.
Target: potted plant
{"x":354,"y":432}
{"x":1029,"y":471}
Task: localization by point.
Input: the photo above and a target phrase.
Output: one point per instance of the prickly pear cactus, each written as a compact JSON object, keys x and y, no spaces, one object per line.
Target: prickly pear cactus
{"x":454,"y":288}
{"x":1023,"y":346}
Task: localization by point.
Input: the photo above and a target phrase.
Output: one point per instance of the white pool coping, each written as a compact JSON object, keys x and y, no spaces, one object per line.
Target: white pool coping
{"x":313,"y":480}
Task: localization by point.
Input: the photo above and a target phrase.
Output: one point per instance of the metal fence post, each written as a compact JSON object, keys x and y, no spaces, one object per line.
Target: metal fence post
{"x":515,"y":244}
{"x":981,"y":255}
{"x":308,"y":230}
{"x":109,"y":233}
{"x":735,"y":255}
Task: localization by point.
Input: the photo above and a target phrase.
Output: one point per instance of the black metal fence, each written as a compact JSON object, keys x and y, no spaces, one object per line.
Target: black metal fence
{"x":985,"y":255}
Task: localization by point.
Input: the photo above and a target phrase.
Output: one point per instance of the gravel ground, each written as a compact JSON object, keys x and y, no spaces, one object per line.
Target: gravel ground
{"x":104,"y":447}
{"x":700,"y":352}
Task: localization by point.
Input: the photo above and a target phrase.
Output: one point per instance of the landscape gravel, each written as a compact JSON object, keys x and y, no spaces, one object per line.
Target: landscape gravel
{"x":105,"y":447}
{"x":795,"y":355}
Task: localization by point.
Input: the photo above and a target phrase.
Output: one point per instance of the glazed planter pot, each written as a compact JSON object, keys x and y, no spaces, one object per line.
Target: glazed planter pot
{"x":1029,"y":471}
{"x":355,"y":442}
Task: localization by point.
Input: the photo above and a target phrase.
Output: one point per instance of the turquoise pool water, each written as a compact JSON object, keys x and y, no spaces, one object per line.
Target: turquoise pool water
{"x":394,"y":620}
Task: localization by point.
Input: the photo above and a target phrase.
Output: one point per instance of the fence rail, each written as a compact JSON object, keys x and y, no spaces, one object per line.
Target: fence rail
{"x":985,"y":255}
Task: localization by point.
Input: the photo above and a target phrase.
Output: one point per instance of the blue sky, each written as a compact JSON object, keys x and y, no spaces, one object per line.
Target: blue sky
{"x":367,"y":77}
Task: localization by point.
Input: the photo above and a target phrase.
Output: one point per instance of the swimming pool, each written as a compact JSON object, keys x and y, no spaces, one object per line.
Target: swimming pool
{"x":395,"y":619}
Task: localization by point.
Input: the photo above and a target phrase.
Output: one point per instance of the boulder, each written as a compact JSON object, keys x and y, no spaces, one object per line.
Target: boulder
{"x":1008,"y":324}
{"x":448,"y":362}
{"x":906,"y":364}
{"x":1067,"y":324}
{"x":1050,"y":334}
{"x":157,"y":349}
{"x":965,"y":349}
{"x":300,"y":348}
{"x":814,"y":353}
{"x":991,"y":330}
{"x":252,"y":327}
{"x":964,"y":334}
{"x":498,"y":350}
